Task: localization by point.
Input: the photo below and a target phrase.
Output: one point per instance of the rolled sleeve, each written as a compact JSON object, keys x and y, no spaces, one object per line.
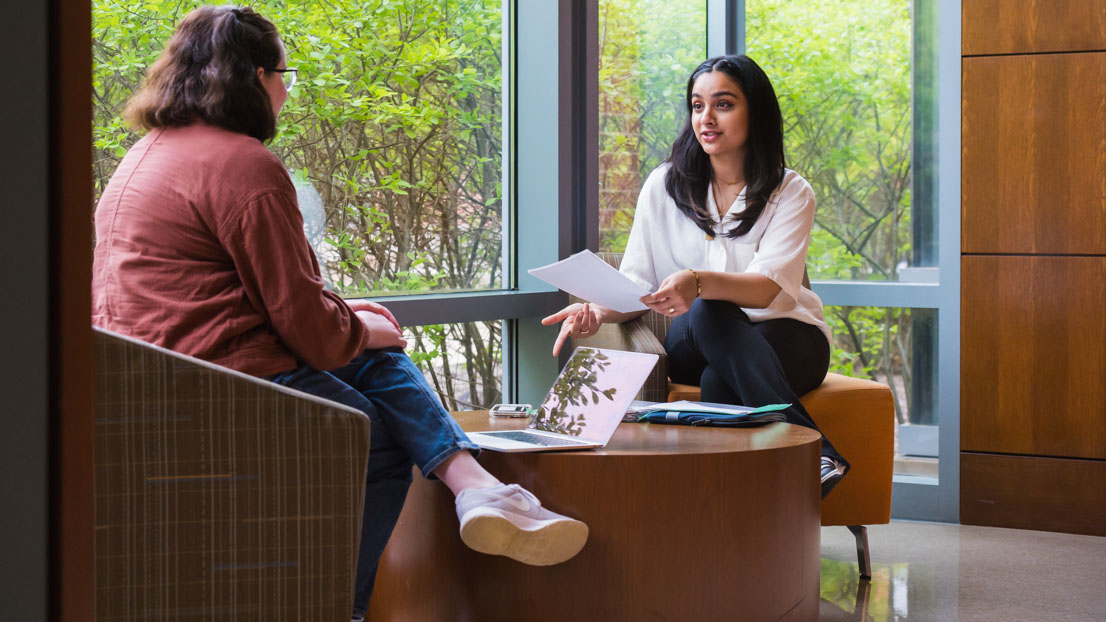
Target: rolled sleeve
{"x":781,"y":253}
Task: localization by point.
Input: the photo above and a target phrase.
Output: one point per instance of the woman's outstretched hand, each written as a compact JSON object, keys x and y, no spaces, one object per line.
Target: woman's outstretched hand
{"x":578,"y":321}
{"x":674,"y":296}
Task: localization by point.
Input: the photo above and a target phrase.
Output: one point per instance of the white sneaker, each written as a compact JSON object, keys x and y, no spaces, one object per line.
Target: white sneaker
{"x":509,"y":520}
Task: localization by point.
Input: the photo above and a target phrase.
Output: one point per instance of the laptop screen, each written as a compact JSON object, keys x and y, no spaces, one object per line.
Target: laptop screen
{"x":593,"y":392}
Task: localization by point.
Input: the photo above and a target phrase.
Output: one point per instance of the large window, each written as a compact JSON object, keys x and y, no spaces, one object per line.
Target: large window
{"x":647,"y":49}
{"x":394,"y":131}
{"x":850,"y":87}
{"x":857,"y":85}
{"x":842,"y":72}
{"x":394,"y":137}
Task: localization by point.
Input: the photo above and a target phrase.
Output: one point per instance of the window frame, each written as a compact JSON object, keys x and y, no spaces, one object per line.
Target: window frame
{"x":546,"y":189}
{"x":555,"y":190}
{"x":913,"y":497}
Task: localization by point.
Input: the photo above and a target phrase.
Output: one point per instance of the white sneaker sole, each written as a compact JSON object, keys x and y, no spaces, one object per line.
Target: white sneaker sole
{"x":530,"y":541}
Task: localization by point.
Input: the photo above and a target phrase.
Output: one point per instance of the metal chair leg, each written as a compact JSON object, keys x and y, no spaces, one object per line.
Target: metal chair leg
{"x":863,"y":596}
{"x":860,"y":532}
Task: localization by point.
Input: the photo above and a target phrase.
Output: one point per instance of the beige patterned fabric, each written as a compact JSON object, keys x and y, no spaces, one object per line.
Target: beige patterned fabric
{"x":220,"y":496}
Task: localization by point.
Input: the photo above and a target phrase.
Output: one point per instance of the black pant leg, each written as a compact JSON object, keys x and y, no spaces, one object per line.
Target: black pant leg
{"x":716,"y":346}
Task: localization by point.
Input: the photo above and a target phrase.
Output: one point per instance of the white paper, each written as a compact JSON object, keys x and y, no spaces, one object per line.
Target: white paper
{"x":588,"y":277}
{"x":699,"y":407}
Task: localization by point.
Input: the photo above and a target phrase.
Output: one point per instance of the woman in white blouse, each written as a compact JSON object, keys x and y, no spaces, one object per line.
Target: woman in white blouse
{"x":720,"y":237}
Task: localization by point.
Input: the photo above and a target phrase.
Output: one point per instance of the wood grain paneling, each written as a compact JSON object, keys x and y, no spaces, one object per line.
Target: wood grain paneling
{"x":1022,"y":26}
{"x":72,"y":592}
{"x":1033,"y":366}
{"x":1047,"y":494}
{"x":1034,"y":154}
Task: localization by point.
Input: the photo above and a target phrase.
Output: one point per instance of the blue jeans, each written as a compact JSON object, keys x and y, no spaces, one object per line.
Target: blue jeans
{"x":409,"y":426}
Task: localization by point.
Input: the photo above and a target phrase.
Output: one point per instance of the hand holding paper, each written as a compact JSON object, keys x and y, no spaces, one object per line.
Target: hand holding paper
{"x":588,"y":277}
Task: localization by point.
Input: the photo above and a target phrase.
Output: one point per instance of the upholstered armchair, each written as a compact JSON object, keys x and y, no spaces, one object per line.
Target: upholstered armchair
{"x":220,"y":496}
{"x":857,"y":414}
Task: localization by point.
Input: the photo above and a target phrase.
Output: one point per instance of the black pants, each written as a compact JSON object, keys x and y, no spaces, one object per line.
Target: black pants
{"x":738,"y":361}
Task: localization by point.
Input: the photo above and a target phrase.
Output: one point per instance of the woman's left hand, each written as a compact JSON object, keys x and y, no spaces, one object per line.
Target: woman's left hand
{"x":674,"y":296}
{"x":373,"y":307}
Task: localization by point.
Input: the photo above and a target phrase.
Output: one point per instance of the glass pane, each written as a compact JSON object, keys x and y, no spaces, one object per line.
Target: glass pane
{"x":896,"y":347}
{"x":462,"y":362}
{"x":856,"y":85}
{"x":647,"y":50}
{"x":392,"y":132}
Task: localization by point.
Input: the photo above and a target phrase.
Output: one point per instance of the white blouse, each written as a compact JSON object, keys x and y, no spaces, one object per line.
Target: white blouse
{"x":664,"y":241}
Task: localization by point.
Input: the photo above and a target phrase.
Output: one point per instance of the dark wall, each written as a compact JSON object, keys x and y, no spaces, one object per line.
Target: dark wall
{"x":24,"y":315}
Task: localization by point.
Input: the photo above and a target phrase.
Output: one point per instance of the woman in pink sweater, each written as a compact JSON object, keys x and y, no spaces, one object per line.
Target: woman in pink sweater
{"x":200,"y":248}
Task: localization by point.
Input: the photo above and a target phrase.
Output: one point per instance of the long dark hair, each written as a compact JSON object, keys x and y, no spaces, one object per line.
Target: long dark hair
{"x":689,"y":176}
{"x":208,"y":72}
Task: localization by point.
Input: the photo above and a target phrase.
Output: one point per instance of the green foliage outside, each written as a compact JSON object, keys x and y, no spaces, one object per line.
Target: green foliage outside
{"x":395,"y":121}
{"x":647,"y":49}
{"x":842,"y":72}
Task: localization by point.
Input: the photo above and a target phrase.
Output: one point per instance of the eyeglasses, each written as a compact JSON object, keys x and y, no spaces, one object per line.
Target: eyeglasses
{"x":289,"y":76}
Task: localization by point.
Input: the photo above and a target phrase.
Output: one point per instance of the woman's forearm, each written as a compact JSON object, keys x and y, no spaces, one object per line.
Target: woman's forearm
{"x":752,"y":291}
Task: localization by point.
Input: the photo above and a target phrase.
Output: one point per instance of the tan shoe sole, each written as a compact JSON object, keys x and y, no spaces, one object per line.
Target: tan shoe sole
{"x":533,"y":542}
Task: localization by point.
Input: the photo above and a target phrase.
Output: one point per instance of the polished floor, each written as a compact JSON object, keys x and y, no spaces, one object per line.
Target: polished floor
{"x":942,"y":572}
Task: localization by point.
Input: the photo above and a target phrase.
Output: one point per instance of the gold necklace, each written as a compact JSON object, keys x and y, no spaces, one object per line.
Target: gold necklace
{"x":719,"y":195}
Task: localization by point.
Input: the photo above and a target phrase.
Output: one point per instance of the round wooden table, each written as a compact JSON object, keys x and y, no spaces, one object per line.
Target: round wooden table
{"x":685,"y":524}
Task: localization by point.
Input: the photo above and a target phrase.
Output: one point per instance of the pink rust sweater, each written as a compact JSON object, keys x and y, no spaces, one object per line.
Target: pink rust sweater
{"x":200,"y":249}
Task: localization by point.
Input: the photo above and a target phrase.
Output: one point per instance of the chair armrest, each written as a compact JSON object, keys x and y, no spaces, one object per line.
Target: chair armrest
{"x":221,"y":490}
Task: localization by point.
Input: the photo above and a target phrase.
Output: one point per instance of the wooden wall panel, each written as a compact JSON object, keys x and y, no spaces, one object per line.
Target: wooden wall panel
{"x":1033,"y":146}
{"x":1024,"y":26}
{"x":1033,"y":366}
{"x":72,"y":590}
{"x":1033,"y":493}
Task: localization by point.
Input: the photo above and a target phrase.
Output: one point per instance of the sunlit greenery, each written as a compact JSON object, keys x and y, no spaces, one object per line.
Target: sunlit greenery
{"x":394,"y":129}
{"x":394,"y":135}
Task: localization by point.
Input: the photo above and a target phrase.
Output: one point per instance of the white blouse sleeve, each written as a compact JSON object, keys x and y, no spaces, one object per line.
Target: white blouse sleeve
{"x":638,"y":260}
{"x":781,"y":254}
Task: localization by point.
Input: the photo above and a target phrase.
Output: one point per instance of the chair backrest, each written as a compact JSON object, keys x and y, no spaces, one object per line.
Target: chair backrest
{"x":656,"y":322}
{"x":220,"y":496}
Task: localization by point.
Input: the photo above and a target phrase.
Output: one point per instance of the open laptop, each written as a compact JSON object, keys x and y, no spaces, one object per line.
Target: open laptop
{"x":585,"y":405}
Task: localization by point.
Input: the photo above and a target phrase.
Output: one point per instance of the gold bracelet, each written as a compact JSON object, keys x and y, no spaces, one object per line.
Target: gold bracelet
{"x":698,"y":283}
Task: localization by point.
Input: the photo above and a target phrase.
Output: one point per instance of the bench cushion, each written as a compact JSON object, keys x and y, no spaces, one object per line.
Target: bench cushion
{"x":859,"y":417}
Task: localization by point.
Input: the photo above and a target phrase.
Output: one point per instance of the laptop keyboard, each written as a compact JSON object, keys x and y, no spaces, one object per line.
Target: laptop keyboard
{"x":534,"y":439}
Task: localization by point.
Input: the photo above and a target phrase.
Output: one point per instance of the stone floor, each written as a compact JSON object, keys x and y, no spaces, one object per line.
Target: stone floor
{"x":945,"y":572}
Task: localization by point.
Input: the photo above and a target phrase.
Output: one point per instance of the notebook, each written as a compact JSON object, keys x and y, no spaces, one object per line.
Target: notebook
{"x":584,"y":406}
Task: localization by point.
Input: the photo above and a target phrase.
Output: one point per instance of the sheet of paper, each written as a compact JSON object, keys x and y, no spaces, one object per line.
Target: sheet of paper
{"x":588,"y":277}
{"x":711,"y":407}
{"x":684,"y":405}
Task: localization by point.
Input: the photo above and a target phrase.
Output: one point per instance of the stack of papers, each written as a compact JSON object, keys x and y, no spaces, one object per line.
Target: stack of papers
{"x":705,"y":413}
